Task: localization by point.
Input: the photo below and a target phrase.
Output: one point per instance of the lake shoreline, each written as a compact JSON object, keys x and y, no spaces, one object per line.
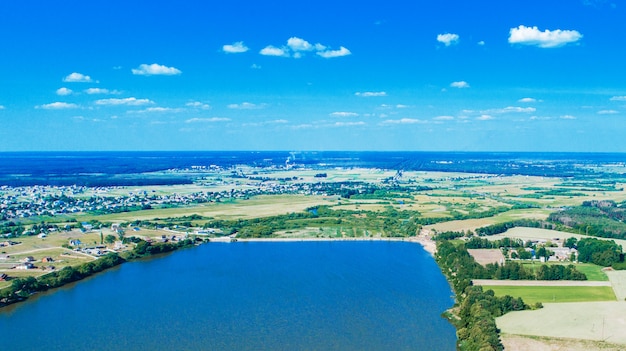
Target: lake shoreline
{"x":428,"y":245}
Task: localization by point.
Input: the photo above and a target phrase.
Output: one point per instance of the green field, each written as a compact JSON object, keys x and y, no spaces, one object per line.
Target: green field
{"x":534,"y":294}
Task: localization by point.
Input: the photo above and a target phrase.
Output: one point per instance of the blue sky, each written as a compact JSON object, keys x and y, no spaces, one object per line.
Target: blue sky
{"x":323,"y":75}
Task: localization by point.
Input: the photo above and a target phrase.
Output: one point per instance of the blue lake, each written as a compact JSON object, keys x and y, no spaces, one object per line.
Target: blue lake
{"x":248,"y":296}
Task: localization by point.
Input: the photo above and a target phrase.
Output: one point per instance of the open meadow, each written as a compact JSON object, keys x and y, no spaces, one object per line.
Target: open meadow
{"x":599,"y":321}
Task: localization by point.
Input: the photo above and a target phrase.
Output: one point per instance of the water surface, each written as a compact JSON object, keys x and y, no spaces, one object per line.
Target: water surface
{"x":248,"y":296}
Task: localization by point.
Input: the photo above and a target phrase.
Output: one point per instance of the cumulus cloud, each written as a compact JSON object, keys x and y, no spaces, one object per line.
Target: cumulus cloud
{"x":246,"y":106}
{"x":335,"y":53}
{"x":255,"y":66}
{"x":199,"y":105}
{"x":460,"y":84}
{"x":618,"y":98}
{"x":608,"y":112}
{"x":154,"y":70}
{"x":235,"y":48}
{"x":448,"y":38}
{"x":510,"y":109}
{"x":527,"y":100}
{"x":403,"y":121}
{"x":481,"y":43}
{"x":443,"y":118}
{"x":349,"y":124}
{"x":297,"y":47}
{"x":207,"y":120}
{"x":344,"y":114}
{"x":64,"y":91}
{"x":94,"y":91}
{"x":370,"y":93}
{"x":298,"y":44}
{"x":76,"y":77}
{"x":274,"y":51}
{"x":547,"y":39}
{"x":2,"y":107}
{"x":57,"y":106}
{"x":158,"y":110}
{"x":568,"y":117}
{"x":131,"y":101}
{"x":484,"y":117}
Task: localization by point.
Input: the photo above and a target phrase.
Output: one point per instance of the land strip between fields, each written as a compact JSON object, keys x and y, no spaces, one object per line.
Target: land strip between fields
{"x":490,"y":282}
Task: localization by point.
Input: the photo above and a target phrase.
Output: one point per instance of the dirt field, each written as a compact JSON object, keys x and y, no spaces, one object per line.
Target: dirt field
{"x":485,"y":256}
{"x":597,"y":321}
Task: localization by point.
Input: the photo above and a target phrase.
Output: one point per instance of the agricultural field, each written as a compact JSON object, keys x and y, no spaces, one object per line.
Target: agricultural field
{"x":259,"y":206}
{"x":598,"y":321}
{"x":554,"y":294}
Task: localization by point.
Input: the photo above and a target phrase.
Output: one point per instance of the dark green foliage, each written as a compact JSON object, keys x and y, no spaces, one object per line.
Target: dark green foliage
{"x":559,"y":272}
{"x":476,"y":328}
{"x":448,"y":235}
{"x":596,"y":218}
{"x":601,"y":252}
{"x":483,"y":243}
{"x":503,"y":227}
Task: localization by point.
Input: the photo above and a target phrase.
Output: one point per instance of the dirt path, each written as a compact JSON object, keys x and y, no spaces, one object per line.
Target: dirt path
{"x":535,"y":343}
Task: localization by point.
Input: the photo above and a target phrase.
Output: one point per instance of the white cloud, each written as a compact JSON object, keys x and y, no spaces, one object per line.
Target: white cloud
{"x":618,"y":98}
{"x":198,"y":104}
{"x":77,"y":78}
{"x":2,"y":107}
{"x":402,"y":106}
{"x":246,"y":106}
{"x":370,"y":93}
{"x":546,"y":39}
{"x":157,"y":110}
{"x":207,"y":120}
{"x":510,"y":109}
{"x":484,"y":117}
{"x":448,"y":38}
{"x":443,"y":118}
{"x":461,"y":84}
{"x":568,"y":117}
{"x":273,"y":51}
{"x":344,"y":114}
{"x":481,"y":43}
{"x":131,"y":101}
{"x":235,"y":48}
{"x":403,"y":121}
{"x":64,"y":91}
{"x":298,"y":44}
{"x":94,"y":91}
{"x":349,"y":124}
{"x":155,"y":69}
{"x":57,"y":106}
{"x":608,"y":112}
{"x":255,"y":66}
{"x":527,"y":100}
{"x":334,"y":53}
{"x":296,"y":47}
